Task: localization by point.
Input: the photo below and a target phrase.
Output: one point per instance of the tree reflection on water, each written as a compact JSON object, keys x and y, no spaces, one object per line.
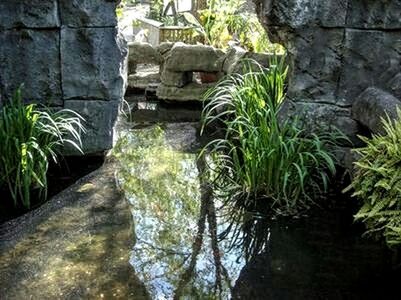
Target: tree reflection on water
{"x":177,"y":253}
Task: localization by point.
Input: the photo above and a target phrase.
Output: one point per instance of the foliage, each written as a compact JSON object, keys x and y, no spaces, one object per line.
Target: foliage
{"x":225,"y":20}
{"x":377,"y":183}
{"x":156,"y":10}
{"x":30,"y":137}
{"x":263,"y":163}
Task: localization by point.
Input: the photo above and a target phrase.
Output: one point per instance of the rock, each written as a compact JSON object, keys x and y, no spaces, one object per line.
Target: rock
{"x":92,"y":64}
{"x":373,"y":105}
{"x":164,"y":48}
{"x":395,"y":86}
{"x":345,"y":157}
{"x":198,"y":58}
{"x":29,"y":14}
{"x":233,"y":57}
{"x":191,"y":92}
{"x":142,"y":80}
{"x":336,"y":50}
{"x":88,"y":13}
{"x":317,"y":63}
{"x":177,"y":79}
{"x":371,"y":58}
{"x":380,"y":14}
{"x":100,"y":118}
{"x":142,"y":53}
{"x":322,"y":117}
{"x":238,"y":60}
{"x":303,"y":13}
{"x":31,"y":58}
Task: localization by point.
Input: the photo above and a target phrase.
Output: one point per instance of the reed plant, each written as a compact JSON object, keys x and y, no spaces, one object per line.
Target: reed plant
{"x":262,"y":163}
{"x":29,"y":139}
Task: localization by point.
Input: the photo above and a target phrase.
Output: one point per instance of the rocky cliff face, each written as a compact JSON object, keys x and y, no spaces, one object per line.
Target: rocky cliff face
{"x":67,"y":53}
{"x":337,"y":49}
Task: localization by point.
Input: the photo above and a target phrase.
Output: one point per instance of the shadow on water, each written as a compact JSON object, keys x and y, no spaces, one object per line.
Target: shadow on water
{"x":76,"y":246}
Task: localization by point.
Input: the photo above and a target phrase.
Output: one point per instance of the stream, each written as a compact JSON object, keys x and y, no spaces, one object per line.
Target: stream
{"x":146,"y":226}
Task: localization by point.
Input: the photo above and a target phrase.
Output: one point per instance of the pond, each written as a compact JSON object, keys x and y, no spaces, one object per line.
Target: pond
{"x":146,"y":226}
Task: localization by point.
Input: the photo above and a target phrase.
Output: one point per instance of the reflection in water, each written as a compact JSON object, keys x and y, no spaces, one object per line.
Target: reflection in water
{"x":176,"y":254}
{"x":78,"y":246}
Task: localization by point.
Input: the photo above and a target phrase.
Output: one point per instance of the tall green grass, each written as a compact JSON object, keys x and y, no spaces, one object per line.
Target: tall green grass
{"x":28,"y":139}
{"x":263,"y":163}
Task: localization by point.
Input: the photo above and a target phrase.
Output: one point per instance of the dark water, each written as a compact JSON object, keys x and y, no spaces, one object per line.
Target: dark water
{"x":321,"y":256}
{"x":147,"y":227}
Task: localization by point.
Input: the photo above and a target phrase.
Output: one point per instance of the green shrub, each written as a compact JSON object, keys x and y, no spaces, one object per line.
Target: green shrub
{"x":377,"y":183}
{"x":262,"y":162}
{"x":30,"y":137}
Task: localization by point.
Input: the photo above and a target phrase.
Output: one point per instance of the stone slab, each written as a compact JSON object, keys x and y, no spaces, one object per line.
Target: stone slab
{"x":143,"y":80}
{"x":88,"y":13}
{"x":32,"y":58}
{"x":93,"y":65}
{"x":197,"y":58}
{"x":191,"y":92}
{"x":28,"y":14}
{"x":100,"y":118}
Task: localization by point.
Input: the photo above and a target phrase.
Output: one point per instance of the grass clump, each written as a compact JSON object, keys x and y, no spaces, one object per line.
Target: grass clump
{"x":377,"y":183}
{"x":262,"y":163}
{"x":29,"y":138}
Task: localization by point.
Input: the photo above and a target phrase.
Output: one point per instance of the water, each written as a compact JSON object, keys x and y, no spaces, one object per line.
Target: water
{"x":152,"y":234}
{"x":161,"y":180}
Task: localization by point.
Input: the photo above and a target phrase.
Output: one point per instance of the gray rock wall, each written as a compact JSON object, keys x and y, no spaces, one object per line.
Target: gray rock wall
{"x":67,"y":53}
{"x":337,"y":50}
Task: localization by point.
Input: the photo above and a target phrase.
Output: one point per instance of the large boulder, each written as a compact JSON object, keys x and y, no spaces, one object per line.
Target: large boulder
{"x":92,"y":64}
{"x":198,"y":58}
{"x":32,"y":58}
{"x":373,"y":105}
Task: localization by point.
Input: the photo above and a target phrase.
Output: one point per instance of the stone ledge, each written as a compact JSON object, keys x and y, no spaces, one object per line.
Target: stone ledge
{"x":190,"y":92}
